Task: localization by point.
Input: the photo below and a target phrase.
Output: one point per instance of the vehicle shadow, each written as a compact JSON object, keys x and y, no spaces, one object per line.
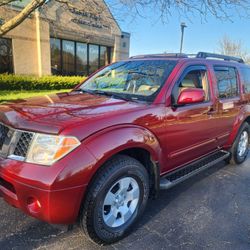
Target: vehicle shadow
{"x":166,"y":197}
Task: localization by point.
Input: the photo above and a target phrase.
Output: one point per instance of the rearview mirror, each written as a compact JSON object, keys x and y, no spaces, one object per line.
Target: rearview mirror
{"x":190,"y":96}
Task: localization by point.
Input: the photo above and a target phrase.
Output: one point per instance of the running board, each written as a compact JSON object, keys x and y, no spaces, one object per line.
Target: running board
{"x":192,"y":169}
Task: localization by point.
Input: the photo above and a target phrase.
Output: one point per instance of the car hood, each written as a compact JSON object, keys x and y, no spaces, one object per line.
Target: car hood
{"x":54,"y":113}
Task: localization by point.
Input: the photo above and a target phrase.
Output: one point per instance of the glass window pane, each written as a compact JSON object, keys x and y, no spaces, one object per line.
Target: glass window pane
{"x":132,"y":79}
{"x":68,"y":57}
{"x":93,"y":58}
{"x":103,"y":56}
{"x":6,"y":58}
{"x":226,"y":81}
{"x":55,"y":47}
{"x":246,"y":79}
{"x":81,"y":58}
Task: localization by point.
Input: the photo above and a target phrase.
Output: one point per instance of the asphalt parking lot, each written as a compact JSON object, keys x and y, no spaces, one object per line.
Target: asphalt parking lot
{"x":209,"y":211}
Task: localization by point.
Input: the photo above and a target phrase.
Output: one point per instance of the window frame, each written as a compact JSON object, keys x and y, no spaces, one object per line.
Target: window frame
{"x":237,"y":81}
{"x":188,"y":69}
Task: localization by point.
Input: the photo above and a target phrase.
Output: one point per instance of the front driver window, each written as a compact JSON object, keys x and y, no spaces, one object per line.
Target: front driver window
{"x":192,"y":79}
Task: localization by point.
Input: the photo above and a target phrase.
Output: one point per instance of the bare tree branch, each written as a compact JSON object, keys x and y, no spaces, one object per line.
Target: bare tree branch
{"x":233,"y":48}
{"x":221,"y":9}
{"x":21,"y":16}
{"x":4,"y":2}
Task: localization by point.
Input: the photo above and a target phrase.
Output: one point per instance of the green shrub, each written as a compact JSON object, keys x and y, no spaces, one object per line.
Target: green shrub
{"x":17,"y":82}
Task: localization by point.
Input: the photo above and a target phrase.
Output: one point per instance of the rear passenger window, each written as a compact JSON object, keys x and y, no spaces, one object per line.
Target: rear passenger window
{"x":245,"y":72}
{"x":226,"y":81}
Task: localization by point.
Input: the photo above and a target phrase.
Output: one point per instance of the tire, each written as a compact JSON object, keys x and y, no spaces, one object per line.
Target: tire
{"x":238,"y":153}
{"x":104,"y":216}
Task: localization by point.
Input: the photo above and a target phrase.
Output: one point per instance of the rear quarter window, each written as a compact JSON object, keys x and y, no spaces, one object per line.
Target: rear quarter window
{"x":245,"y":73}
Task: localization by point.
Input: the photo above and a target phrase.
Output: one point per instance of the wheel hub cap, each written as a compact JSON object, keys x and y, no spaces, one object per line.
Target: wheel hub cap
{"x":243,"y":143}
{"x":121,"y":202}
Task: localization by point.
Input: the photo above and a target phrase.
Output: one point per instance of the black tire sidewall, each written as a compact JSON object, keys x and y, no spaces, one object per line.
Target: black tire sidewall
{"x":105,"y":233}
{"x":240,"y":159}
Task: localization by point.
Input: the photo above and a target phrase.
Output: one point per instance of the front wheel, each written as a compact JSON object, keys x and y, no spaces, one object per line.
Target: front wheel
{"x":240,"y":148}
{"x":115,"y":200}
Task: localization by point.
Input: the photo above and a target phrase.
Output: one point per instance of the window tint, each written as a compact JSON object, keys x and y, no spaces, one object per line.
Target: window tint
{"x":246,"y":79}
{"x":6,"y":58}
{"x":226,"y":82}
{"x":192,"y":79}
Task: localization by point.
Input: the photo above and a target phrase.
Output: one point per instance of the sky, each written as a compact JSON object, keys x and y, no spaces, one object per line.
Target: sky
{"x":151,"y":36}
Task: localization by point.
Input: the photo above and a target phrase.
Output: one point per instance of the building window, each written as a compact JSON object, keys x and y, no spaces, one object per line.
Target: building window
{"x":81,"y":59}
{"x":68,"y":57}
{"x":103,"y":56}
{"x":93,"y":58}
{"x":6,"y":56}
{"x":124,"y":45}
{"x":75,"y":58}
{"x":56,"y":67}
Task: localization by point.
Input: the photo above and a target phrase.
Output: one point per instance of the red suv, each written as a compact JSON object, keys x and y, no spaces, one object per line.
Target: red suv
{"x":96,"y":154}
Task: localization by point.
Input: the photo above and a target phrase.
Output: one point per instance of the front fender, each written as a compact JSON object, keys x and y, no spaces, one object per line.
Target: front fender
{"x":111,"y":141}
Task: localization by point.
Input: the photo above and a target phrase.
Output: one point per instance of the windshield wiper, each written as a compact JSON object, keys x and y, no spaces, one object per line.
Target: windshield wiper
{"x":112,"y":94}
{"x":108,"y":93}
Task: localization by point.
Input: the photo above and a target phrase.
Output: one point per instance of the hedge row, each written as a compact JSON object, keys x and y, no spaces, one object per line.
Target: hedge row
{"x":16,"y":82}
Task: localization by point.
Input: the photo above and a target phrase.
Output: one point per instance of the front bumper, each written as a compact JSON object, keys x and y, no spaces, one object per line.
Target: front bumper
{"x":56,"y":207}
{"x":52,"y":194}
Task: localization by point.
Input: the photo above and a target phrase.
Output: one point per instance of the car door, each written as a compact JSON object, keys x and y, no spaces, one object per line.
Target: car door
{"x":190,"y":129}
{"x":228,"y":101}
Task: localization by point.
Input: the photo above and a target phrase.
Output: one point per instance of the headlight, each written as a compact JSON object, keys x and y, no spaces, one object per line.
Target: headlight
{"x":47,"y":149}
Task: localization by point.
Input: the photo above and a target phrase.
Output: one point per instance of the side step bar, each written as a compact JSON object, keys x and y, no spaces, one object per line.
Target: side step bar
{"x":180,"y":175}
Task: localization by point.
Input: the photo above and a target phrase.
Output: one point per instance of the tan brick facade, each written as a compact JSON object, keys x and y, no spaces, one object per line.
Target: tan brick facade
{"x":31,"y":39}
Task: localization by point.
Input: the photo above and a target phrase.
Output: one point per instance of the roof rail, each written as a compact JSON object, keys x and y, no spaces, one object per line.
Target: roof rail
{"x":218,"y":56}
{"x":171,"y":55}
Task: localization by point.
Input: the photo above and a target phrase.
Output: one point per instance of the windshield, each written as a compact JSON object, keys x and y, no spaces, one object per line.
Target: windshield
{"x":140,"y":79}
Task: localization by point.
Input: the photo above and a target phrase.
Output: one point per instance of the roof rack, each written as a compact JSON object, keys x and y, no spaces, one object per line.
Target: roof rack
{"x":198,"y":55}
{"x":218,"y":56}
{"x":171,"y":55}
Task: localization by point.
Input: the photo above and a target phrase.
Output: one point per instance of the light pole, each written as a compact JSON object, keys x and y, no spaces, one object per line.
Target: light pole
{"x":183,"y":26}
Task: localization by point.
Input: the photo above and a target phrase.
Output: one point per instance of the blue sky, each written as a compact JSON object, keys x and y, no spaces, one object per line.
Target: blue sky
{"x":148,"y":36}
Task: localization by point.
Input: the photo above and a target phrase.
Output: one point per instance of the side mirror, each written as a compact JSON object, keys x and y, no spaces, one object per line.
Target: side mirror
{"x":190,"y":96}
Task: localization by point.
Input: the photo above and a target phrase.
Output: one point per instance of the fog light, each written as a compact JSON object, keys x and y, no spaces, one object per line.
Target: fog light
{"x":33,"y":205}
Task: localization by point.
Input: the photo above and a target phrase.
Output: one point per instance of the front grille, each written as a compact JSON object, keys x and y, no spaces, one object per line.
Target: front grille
{"x":14,"y":142}
{"x":23,"y":144}
{"x":3,"y":134}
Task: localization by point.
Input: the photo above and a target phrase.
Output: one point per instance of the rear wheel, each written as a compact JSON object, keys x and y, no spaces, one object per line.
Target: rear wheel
{"x":117,"y":197}
{"x":240,"y":148}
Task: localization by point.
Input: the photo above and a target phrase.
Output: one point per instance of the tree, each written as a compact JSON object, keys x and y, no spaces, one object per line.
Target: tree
{"x":219,"y":8}
{"x":227,"y":46}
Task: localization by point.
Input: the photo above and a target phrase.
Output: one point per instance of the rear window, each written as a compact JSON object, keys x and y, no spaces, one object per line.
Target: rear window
{"x":226,"y":81}
{"x":245,"y":72}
